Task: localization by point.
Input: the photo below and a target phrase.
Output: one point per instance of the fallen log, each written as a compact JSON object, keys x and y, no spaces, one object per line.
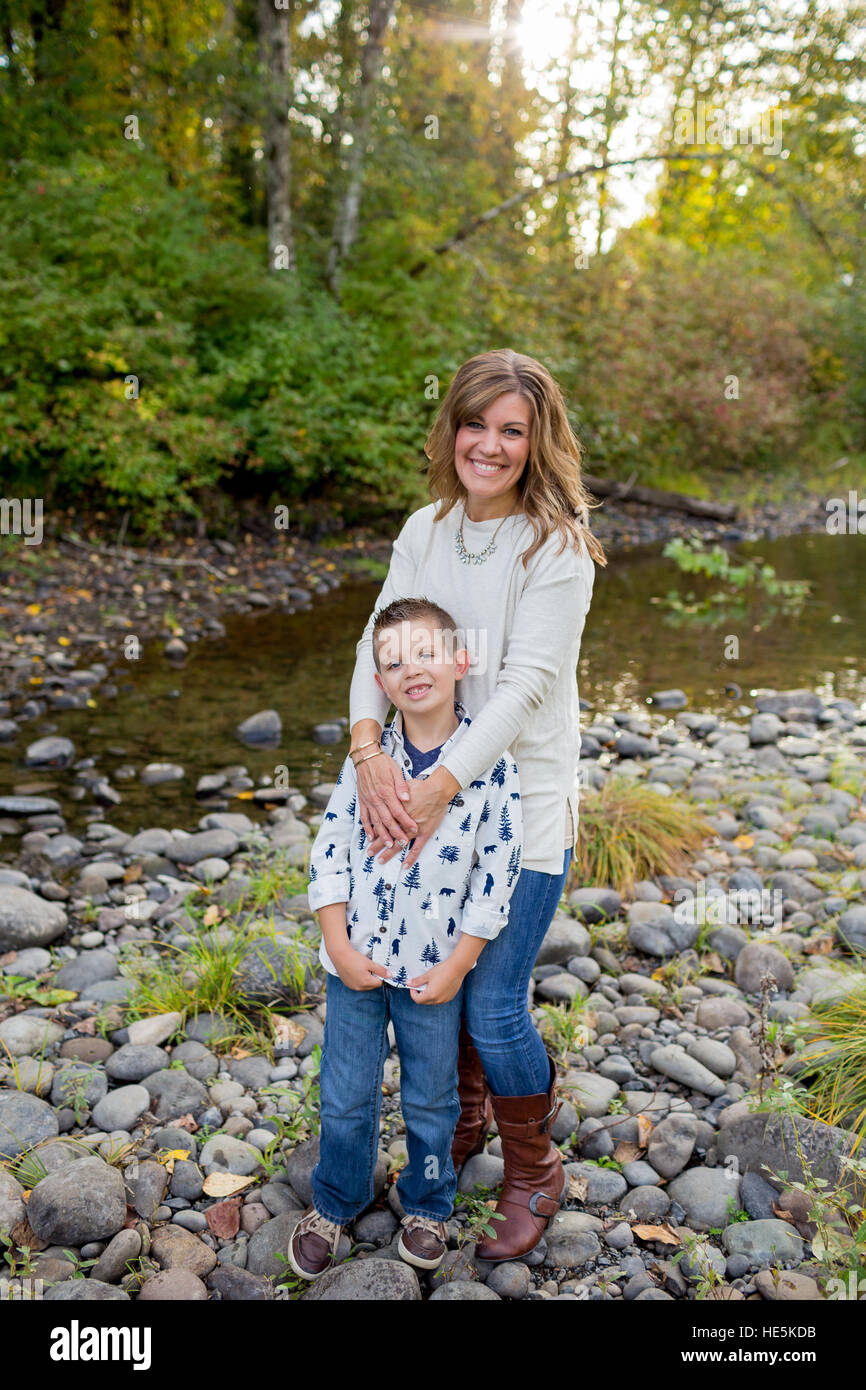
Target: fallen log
{"x":656,"y":497}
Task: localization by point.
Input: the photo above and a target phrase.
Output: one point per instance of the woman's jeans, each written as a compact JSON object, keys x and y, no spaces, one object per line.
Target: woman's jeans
{"x":353,"y":1058}
{"x":495,"y":993}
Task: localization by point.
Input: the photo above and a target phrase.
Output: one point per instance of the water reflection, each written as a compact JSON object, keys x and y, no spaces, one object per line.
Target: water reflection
{"x":301,"y":665}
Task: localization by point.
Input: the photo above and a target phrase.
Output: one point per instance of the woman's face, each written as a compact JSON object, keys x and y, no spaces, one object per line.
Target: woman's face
{"x":490,"y":453}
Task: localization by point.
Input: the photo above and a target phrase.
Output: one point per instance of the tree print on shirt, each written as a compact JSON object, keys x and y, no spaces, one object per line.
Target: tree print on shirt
{"x":506,"y":831}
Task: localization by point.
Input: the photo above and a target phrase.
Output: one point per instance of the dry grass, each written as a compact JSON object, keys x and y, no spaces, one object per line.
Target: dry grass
{"x":628,"y":832}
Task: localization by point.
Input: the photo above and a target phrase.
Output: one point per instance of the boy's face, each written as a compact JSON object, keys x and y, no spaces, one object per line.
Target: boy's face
{"x":419,"y":664}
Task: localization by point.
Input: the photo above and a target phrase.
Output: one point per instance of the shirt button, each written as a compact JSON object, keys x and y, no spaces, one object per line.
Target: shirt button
{"x":458,"y":801}
{"x":388,"y":886}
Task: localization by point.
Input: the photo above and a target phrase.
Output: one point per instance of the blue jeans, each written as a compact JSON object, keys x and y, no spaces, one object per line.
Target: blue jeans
{"x":353,"y":1058}
{"x":495,"y":993}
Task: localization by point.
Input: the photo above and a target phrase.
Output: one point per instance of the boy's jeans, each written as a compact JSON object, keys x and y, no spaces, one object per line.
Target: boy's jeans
{"x":353,"y":1058}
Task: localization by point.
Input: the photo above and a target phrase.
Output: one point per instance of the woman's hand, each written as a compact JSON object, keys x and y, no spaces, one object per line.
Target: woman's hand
{"x":382,"y":794}
{"x":428,"y":800}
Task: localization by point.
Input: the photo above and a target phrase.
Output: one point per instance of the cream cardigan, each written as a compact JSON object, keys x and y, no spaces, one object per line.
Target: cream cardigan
{"x":523,"y":628}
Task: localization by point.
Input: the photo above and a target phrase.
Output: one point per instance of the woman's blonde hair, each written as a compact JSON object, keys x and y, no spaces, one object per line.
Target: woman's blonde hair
{"x":551,"y":492}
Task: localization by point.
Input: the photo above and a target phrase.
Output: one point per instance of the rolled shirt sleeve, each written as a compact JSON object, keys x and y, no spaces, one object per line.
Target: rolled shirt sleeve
{"x":330,"y":874}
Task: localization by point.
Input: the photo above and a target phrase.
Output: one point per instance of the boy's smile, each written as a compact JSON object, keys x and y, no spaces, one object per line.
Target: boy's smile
{"x":419,"y":665}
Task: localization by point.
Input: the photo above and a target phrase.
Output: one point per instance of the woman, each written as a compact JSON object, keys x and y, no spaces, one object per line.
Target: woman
{"x":509,"y":553}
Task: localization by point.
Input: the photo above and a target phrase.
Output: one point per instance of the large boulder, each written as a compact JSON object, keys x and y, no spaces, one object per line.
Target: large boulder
{"x":278,"y":969}
{"x":851,"y":930}
{"x":27,"y":920}
{"x":204,"y":844}
{"x":758,"y":958}
{"x":25,"y":1120}
{"x":83,"y":1202}
{"x":378,"y":1280}
{"x":779,"y":1141}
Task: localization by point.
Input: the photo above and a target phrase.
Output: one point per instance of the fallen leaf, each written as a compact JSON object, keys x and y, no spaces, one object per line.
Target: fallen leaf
{"x":224,"y":1184}
{"x":645,"y":1128}
{"x":185,"y":1122}
{"x":743,"y":841}
{"x":132,"y":874}
{"x":224,"y":1218}
{"x":820,"y":946}
{"x":237,"y":1052}
{"x":211,"y":916}
{"x":713,"y":961}
{"x":170,"y":1157}
{"x":662,"y":1233}
{"x":577,"y":1188}
{"x":23,"y":1236}
{"x":625,"y":1151}
{"x":285,"y":1031}
{"x":86,"y":1026}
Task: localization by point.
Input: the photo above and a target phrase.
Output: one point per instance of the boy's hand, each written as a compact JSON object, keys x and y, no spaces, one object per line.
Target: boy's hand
{"x":443,"y":982}
{"x":358,"y":971}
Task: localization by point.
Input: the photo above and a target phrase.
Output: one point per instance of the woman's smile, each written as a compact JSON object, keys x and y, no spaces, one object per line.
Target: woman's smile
{"x":490,"y":453}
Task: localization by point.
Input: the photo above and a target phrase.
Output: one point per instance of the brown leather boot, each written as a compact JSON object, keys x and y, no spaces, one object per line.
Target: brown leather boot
{"x":534,"y":1179}
{"x":476,"y":1112}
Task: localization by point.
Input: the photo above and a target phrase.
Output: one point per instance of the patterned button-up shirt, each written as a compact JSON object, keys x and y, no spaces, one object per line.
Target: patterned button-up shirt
{"x":462,"y":880}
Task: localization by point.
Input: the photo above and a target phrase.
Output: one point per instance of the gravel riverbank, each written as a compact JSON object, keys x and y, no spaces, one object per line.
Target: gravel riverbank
{"x":159,"y":1163}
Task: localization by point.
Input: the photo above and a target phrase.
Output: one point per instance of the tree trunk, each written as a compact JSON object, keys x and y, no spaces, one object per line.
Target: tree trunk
{"x":669,"y":501}
{"x":44,"y":17}
{"x":276,"y":41}
{"x":349,"y":203}
{"x":609,"y":123}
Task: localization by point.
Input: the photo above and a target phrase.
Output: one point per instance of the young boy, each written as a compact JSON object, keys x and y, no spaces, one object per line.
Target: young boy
{"x":396,"y":948}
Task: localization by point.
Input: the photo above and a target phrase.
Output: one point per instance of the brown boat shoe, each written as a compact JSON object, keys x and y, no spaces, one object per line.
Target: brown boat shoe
{"x":313,"y":1247}
{"x":422,"y":1242}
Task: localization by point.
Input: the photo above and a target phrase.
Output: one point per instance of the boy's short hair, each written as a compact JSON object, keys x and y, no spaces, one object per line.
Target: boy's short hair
{"x":403,"y":610}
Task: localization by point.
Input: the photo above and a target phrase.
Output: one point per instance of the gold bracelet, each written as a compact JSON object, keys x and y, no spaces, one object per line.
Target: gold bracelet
{"x":363,"y":745}
{"x":368,"y":757}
